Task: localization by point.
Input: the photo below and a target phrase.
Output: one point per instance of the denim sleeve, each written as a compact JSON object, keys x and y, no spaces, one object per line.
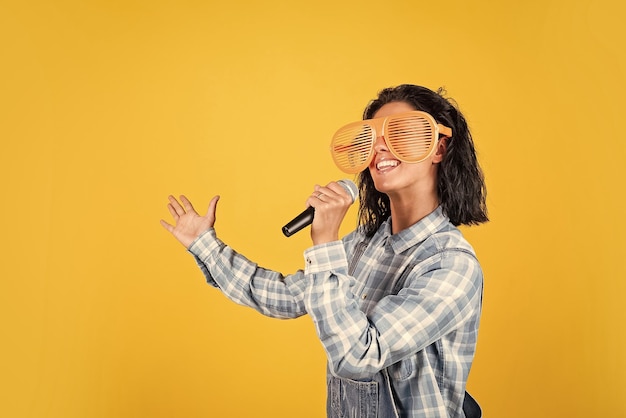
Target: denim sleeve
{"x":245,"y":282}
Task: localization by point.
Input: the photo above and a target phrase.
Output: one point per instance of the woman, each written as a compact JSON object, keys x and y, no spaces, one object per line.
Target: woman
{"x":397,"y":302}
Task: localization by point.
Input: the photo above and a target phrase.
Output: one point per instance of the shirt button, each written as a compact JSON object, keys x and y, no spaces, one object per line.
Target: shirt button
{"x":364,"y":296}
{"x":308,"y":261}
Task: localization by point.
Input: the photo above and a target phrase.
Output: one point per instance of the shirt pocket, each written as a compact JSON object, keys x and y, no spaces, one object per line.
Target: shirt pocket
{"x":404,"y":369}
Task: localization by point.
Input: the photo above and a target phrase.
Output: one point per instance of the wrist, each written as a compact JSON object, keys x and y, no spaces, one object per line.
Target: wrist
{"x":325,"y":239}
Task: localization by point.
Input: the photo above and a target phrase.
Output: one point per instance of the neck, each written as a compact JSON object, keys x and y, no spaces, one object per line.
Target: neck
{"x":408,"y":210}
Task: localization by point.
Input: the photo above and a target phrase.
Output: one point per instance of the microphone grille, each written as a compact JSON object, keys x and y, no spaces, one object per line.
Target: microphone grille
{"x":350,"y":187}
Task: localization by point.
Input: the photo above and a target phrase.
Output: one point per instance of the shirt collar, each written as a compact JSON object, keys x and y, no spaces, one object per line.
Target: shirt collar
{"x":416,"y":233}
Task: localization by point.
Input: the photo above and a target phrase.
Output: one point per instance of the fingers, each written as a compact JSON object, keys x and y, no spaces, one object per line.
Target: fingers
{"x":315,"y":199}
{"x":331,"y":203}
{"x":183,"y":212}
{"x":331,"y":193}
{"x":187,"y":204}
{"x":168,"y":227}
{"x":174,"y":207}
{"x":321,"y":197}
{"x":212,"y":210}
{"x":339,"y":190}
{"x":172,"y":211}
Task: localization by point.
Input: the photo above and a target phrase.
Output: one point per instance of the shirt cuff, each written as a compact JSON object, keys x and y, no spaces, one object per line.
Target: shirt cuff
{"x":326,"y":257}
{"x":206,"y":242}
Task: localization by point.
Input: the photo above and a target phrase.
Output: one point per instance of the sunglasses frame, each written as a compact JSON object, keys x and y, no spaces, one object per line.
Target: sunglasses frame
{"x":379,"y":127}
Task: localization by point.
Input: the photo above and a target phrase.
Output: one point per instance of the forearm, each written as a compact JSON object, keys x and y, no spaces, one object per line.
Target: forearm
{"x":244,"y":282}
{"x":343,"y":329}
{"x":358,"y":345}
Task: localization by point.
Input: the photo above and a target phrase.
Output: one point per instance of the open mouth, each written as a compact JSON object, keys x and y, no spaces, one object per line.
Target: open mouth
{"x":386,"y":165}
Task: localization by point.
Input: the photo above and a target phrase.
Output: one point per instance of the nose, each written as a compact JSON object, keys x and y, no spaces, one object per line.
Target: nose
{"x":380,"y":144}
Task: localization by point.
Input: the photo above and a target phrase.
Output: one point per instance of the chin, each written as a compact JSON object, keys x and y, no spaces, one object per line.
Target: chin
{"x":383,"y":185}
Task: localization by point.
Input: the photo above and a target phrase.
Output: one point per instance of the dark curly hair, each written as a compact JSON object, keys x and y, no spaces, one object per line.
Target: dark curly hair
{"x":460,"y":181}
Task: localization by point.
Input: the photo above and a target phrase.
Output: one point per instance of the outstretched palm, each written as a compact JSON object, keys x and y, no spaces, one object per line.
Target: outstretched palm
{"x":188,"y":224}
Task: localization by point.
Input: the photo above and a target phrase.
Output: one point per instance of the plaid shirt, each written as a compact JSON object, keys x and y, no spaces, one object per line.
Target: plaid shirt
{"x":408,"y":302}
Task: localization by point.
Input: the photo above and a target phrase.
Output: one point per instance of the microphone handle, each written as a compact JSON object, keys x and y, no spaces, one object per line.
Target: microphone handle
{"x":299,"y":222}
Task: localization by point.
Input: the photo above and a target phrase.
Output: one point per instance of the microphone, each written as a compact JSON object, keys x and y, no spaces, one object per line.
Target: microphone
{"x":306,"y":217}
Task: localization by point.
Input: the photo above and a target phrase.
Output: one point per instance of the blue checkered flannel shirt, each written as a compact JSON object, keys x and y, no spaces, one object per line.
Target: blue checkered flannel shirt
{"x":409,"y":303}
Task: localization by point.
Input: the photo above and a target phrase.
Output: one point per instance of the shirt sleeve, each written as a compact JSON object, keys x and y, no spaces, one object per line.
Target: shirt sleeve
{"x":438,"y":297}
{"x":245,"y":282}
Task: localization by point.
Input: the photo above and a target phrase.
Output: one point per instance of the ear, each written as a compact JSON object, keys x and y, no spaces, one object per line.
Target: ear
{"x":440,"y":152}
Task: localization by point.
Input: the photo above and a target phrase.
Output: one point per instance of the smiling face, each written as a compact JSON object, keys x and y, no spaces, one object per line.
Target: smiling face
{"x":392,"y":176}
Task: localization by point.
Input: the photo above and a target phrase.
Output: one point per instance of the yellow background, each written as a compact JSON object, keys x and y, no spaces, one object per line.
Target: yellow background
{"x":108,"y":106}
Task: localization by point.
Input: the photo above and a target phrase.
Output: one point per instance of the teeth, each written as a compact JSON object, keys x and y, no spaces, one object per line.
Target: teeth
{"x":387,"y":163}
